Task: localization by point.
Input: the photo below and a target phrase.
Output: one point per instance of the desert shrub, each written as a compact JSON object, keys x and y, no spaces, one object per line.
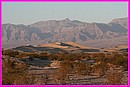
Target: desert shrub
{"x":120,"y":59}
{"x":86,"y":56}
{"x":52,"y":57}
{"x":31,"y":58}
{"x":60,"y":78}
{"x":22,"y":55}
{"x":10,"y":52}
{"x":125,"y":65}
{"x":97,"y":55}
{"x":61,"y":56}
{"x":43,"y":56}
{"x":15,"y":73}
{"x":33,"y":55}
{"x":102,"y":59}
{"x":125,"y":54}
{"x":100,"y":68}
{"x":66,"y":68}
{"x":114,"y":78}
{"x":46,"y":77}
{"x":71,"y":57}
{"x":82,"y":68}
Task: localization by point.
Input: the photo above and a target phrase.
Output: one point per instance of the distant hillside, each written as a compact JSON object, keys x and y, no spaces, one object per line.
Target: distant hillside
{"x":65,"y":30}
{"x":122,"y":21}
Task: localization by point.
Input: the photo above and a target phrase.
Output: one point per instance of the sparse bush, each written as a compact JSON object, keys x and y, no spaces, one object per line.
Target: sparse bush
{"x":66,"y":66}
{"x":52,"y":57}
{"x":114,"y":78}
{"x":31,"y":58}
{"x":46,"y":77}
{"x":120,"y":59}
{"x":100,"y":68}
{"x":60,"y":56}
{"x":22,"y":55}
{"x":33,"y":55}
{"x":64,"y":70}
{"x":43,"y":56}
{"x":70,"y":57}
{"x":15,"y":73}
{"x":10,"y":53}
{"x":82,"y":68}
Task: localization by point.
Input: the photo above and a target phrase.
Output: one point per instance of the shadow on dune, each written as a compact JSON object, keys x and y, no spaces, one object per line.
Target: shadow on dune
{"x":36,"y":62}
{"x":90,"y":50}
{"x":33,"y":49}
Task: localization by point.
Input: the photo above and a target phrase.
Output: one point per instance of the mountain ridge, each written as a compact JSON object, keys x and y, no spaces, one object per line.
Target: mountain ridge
{"x":62,"y":31}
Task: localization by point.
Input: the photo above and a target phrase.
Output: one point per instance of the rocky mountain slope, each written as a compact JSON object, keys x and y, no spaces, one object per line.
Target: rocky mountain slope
{"x":122,"y":21}
{"x":66,"y":31}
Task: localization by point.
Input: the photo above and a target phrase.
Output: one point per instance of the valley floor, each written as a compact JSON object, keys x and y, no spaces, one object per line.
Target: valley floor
{"x":41,"y":71}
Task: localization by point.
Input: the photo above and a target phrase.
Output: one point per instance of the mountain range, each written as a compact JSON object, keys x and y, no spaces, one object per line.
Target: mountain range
{"x":66,"y":30}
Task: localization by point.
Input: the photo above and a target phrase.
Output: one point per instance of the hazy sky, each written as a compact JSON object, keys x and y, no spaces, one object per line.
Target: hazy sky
{"x":27,"y":13}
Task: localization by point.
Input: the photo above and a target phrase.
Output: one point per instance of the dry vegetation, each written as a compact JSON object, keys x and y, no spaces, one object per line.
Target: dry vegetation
{"x":73,"y":67}
{"x":15,"y":72}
